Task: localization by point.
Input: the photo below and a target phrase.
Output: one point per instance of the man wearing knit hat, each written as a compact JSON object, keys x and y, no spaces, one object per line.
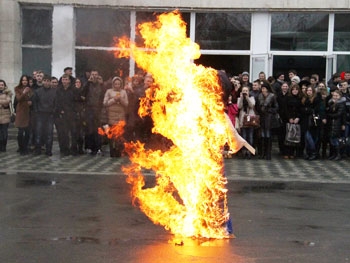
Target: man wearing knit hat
{"x":245,"y":80}
{"x":295,"y":80}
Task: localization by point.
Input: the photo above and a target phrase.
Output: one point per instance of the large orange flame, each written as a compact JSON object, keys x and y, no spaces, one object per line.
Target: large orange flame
{"x":189,"y":197}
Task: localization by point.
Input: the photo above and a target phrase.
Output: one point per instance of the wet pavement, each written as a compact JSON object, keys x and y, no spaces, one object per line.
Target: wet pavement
{"x":78,"y":209}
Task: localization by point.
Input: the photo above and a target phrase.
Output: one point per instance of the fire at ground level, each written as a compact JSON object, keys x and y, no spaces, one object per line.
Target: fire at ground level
{"x":50,"y":217}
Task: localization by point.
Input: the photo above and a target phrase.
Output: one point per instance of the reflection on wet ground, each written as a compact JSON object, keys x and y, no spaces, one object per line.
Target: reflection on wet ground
{"x":35,"y":182}
{"x":89,"y":218}
{"x":264,"y":187}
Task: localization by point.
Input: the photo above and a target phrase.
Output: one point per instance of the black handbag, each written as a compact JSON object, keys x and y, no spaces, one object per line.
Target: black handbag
{"x":276,"y":121}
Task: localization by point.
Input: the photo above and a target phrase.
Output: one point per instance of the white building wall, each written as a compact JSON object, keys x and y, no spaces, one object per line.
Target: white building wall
{"x":10,"y":42}
{"x":210,"y":4}
{"x":63,"y":52}
{"x":10,"y":28}
{"x":260,"y":44}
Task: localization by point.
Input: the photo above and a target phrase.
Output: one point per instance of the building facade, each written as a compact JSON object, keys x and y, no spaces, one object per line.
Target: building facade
{"x":262,"y":35}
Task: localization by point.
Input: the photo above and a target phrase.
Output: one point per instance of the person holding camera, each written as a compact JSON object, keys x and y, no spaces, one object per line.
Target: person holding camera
{"x":246,"y":106}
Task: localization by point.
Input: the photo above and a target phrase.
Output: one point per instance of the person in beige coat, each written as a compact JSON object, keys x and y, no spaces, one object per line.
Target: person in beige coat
{"x":5,"y":113}
{"x":116,"y":102}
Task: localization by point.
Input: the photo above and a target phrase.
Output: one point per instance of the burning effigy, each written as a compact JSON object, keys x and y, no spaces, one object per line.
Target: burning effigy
{"x":189,"y":196}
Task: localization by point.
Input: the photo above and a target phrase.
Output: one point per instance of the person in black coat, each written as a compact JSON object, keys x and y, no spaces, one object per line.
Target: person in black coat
{"x":80,"y":117}
{"x":283,"y":112}
{"x":336,"y":118}
{"x":65,"y":117}
{"x":266,"y":107}
{"x":44,"y":103}
{"x":312,"y":114}
{"x":294,"y":115}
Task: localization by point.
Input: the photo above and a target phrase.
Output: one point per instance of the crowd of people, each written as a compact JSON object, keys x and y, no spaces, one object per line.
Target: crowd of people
{"x":320,"y":109}
{"x":78,"y":107}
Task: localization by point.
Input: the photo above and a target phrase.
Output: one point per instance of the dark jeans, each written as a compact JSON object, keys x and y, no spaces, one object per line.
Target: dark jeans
{"x":79,"y":130}
{"x":311,"y":140}
{"x":92,"y":138}
{"x":32,"y":128}
{"x":3,"y":136}
{"x":247,"y":134}
{"x":66,"y":133}
{"x":44,"y":131}
{"x":281,"y":135}
{"x":23,"y":139}
{"x":346,"y":135}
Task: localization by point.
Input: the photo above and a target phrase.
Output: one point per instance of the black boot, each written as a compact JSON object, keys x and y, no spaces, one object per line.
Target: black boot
{"x":268,"y":148}
{"x":313,"y":156}
{"x":261,"y":150}
{"x":332,"y":153}
{"x":2,"y":147}
{"x":337,"y":154}
{"x":20,"y":144}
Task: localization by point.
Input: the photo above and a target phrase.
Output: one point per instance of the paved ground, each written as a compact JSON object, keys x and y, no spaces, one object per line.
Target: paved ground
{"x":78,"y":209}
{"x":237,"y":168}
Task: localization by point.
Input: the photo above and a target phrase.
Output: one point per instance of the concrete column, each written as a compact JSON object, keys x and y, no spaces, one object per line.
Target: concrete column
{"x":10,"y":42}
{"x":260,"y":44}
{"x":63,"y":37}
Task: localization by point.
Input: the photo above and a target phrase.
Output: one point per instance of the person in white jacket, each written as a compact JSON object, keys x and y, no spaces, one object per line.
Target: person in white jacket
{"x":246,"y":104}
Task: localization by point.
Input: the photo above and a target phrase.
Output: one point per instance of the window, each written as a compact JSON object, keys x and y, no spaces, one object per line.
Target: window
{"x":341,"y":32}
{"x":36,"y":26}
{"x":101,"y":60}
{"x":301,"y":32}
{"x":98,"y":26}
{"x":36,"y":59}
{"x":36,"y":39}
{"x":343,"y":63}
{"x":223,"y":31}
{"x":96,"y":29}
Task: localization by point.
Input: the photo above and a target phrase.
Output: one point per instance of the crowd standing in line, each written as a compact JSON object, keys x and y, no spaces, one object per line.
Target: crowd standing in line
{"x":77,"y":107}
{"x":320,"y":109}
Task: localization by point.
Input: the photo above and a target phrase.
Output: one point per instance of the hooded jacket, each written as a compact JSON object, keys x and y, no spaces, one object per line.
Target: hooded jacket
{"x":336,"y":116}
{"x":5,"y":100}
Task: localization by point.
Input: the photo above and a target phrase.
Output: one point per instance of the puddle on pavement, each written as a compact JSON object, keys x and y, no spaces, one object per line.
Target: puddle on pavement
{"x":304,"y":243}
{"x":35,"y":182}
{"x":77,"y":240}
{"x":264,"y":188}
